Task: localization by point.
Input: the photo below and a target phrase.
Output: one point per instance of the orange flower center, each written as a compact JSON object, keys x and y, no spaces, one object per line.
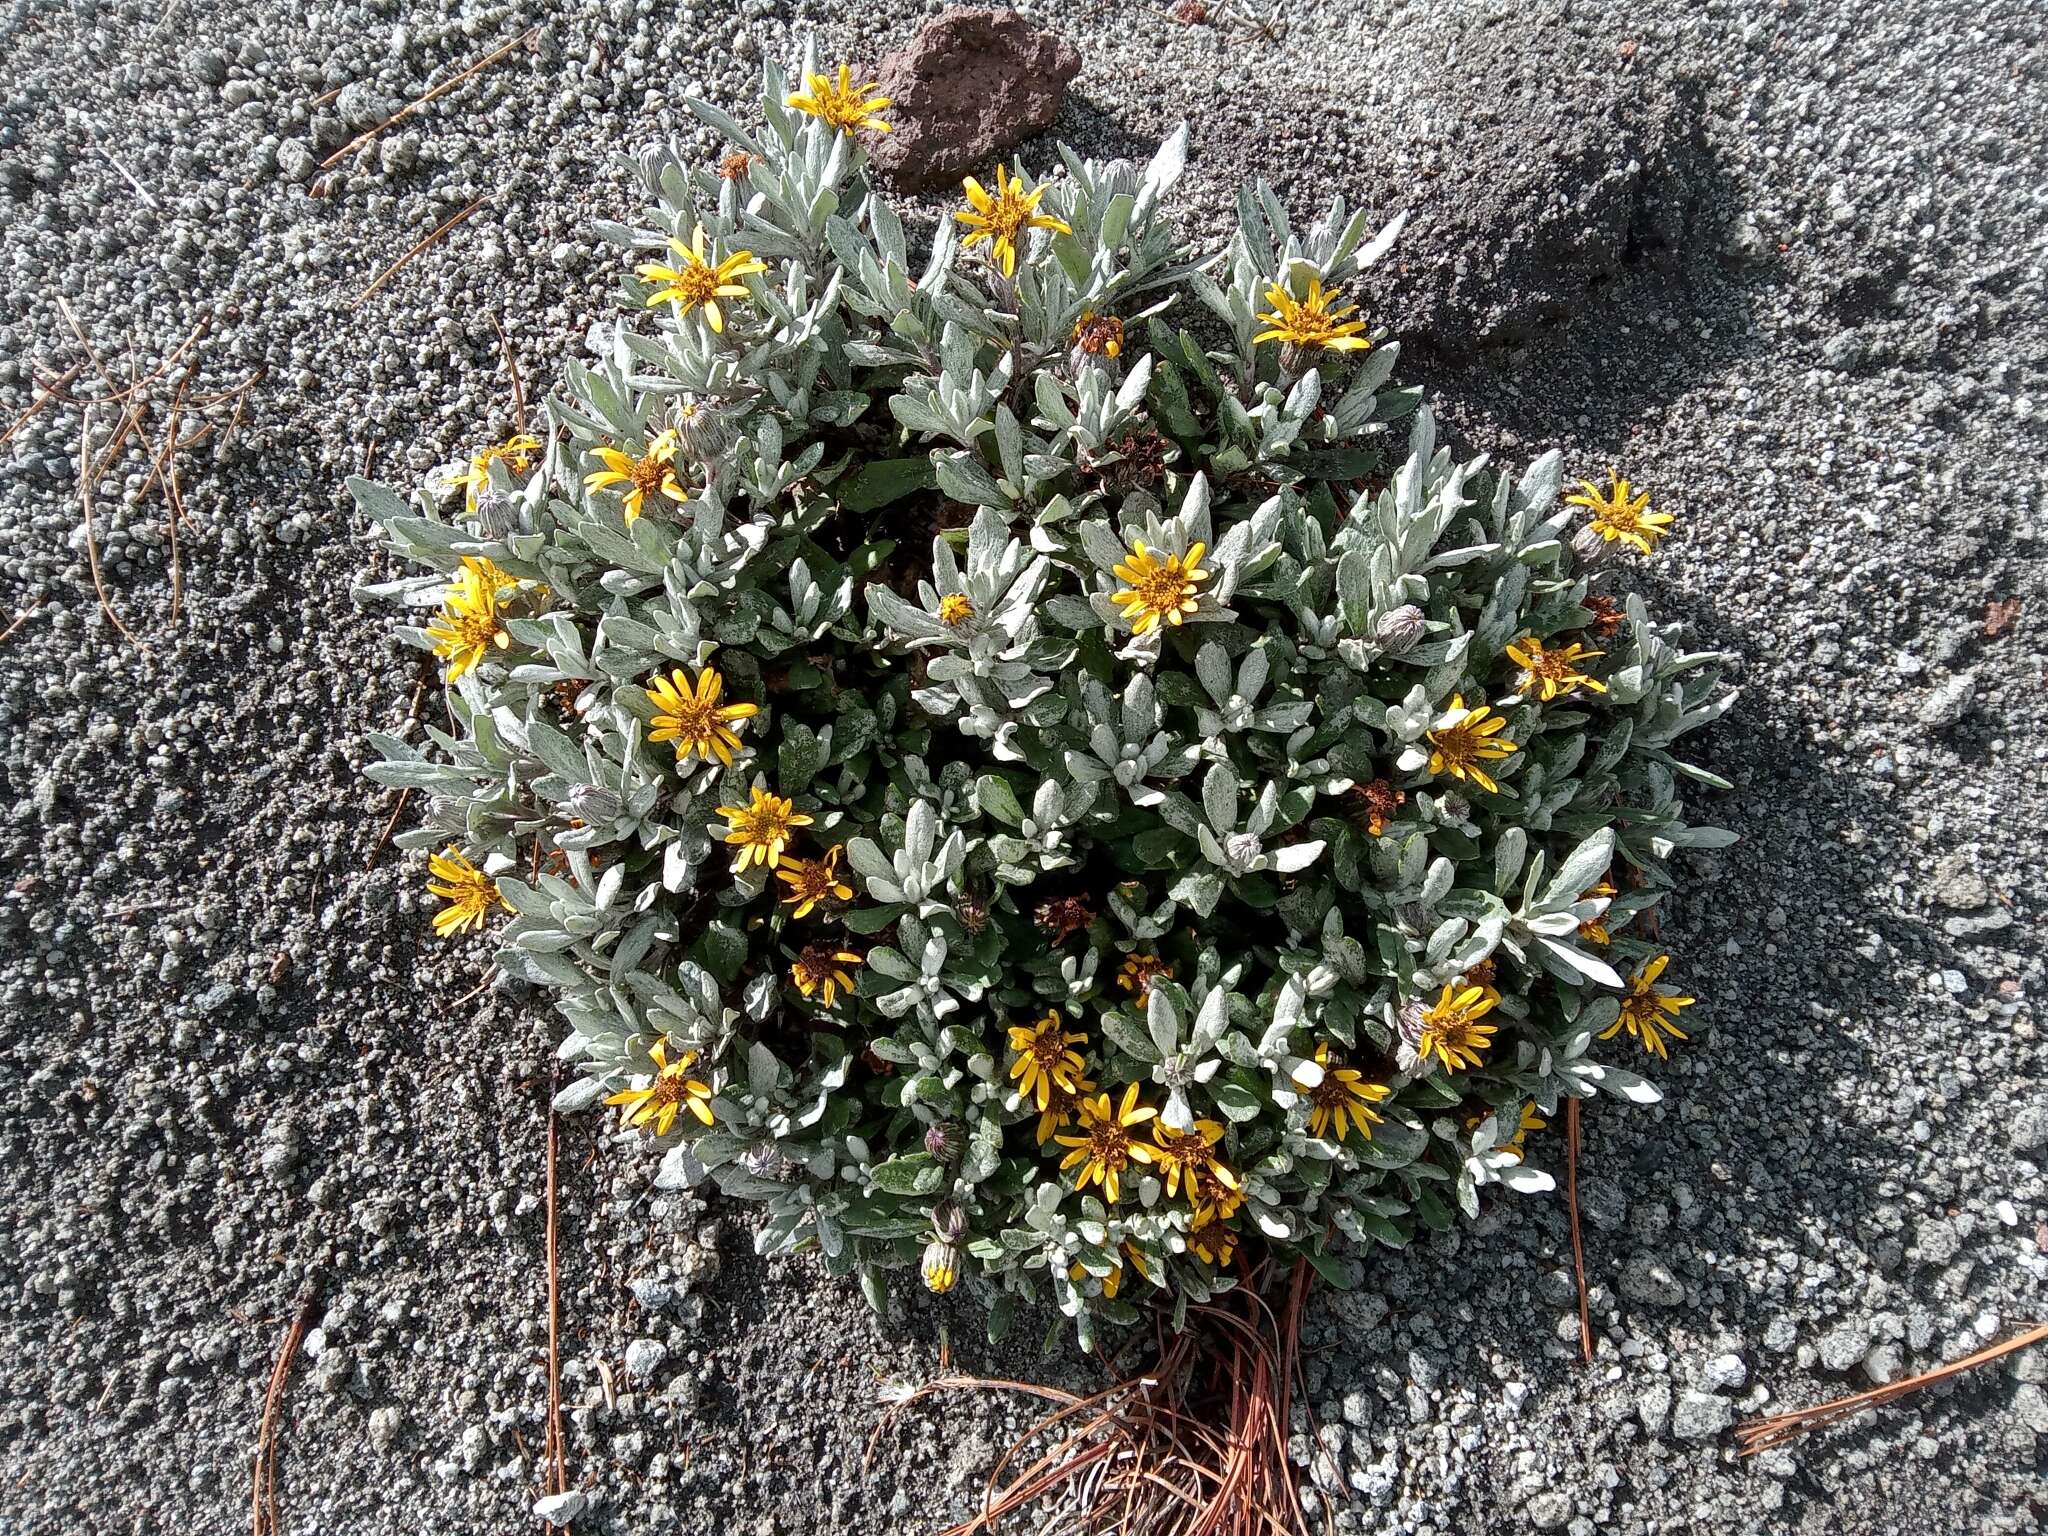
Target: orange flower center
{"x":1164,"y":589}
{"x":1330,"y":1093}
{"x":474,"y":629}
{"x":695,"y":284}
{"x":1109,"y":1144}
{"x":1048,"y":1046}
{"x":813,"y":882}
{"x":1459,"y":744}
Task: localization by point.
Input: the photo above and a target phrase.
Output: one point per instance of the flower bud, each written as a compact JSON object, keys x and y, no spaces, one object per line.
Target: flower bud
{"x":943,"y":1141}
{"x":1409,"y":1021}
{"x":701,"y":428}
{"x":949,"y":1221}
{"x":595,"y":804}
{"x":1398,"y":631}
{"x":492,"y":512}
{"x":1587,"y":544}
{"x":941,"y":1266}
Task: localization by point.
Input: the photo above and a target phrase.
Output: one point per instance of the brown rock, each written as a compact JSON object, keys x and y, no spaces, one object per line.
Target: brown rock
{"x":972,"y":84}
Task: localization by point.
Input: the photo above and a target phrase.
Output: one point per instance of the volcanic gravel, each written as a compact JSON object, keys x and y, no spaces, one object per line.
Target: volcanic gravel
{"x":1780,"y":263}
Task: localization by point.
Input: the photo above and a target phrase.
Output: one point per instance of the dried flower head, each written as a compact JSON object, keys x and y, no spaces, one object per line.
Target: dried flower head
{"x":1099,"y":335}
{"x":1375,"y":804}
{"x":1063,"y":917}
{"x":1607,"y":615}
{"x":1136,"y":973}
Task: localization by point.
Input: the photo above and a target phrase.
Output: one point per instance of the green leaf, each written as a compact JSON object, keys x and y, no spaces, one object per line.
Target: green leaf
{"x":798,"y":759}
{"x":914,"y":1173}
{"x":723,"y":951}
{"x":1129,"y":1037}
{"x":993,"y":794}
{"x":1236,"y":1096}
{"x":882,"y":481}
{"x":873,"y":919}
{"x":1169,"y":400}
{"x":1341,"y":1275}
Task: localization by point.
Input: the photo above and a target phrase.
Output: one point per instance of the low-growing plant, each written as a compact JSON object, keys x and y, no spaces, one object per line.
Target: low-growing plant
{"x":1025,"y":756}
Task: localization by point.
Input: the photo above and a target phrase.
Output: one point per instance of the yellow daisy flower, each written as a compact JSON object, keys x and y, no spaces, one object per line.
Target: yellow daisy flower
{"x":669,"y":1091}
{"x":1594,"y":929}
{"x":1113,"y":1282}
{"x":699,"y":283}
{"x":516,"y":453}
{"x":653,"y":474}
{"x":1648,"y":1010}
{"x":1343,"y":1098}
{"x":1212,"y":1242}
{"x":841,"y":103}
{"x":1135,"y":975}
{"x":471,"y":620}
{"x":1004,"y":218}
{"x":1459,"y":748}
{"x":822,"y":969}
{"x":1159,"y":590}
{"x":469,"y":892}
{"x":811,"y":881}
{"x":1213,"y":1197}
{"x":1528,"y":1121}
{"x":1045,"y":1059}
{"x":760,"y":830}
{"x":1317,"y":321}
{"x":692,"y":717}
{"x":1621,"y":515}
{"x":955,"y":609}
{"x":1103,"y":1147}
{"x":1189,"y":1156}
{"x":1060,"y":1104}
{"x":1552,"y":673}
{"x":1515,"y":1145}
{"x":1451,"y":1029}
